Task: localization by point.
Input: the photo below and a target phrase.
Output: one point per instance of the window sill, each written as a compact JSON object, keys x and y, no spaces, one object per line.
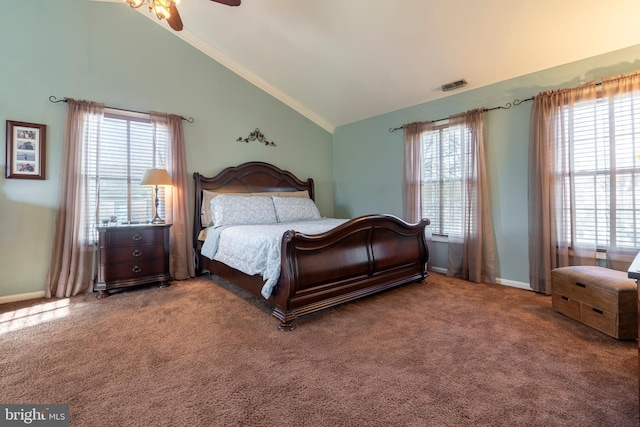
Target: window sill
{"x":440,"y":238}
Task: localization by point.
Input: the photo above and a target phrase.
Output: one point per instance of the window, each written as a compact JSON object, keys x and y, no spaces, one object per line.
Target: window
{"x":120,"y":150}
{"x":442,"y":180}
{"x":602,"y":173}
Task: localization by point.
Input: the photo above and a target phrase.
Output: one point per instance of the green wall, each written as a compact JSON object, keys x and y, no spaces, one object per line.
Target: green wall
{"x":367,"y":158}
{"x":108,"y":53}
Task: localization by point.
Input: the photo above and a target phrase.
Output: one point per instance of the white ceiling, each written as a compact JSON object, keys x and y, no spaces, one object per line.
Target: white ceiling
{"x":340,"y":61}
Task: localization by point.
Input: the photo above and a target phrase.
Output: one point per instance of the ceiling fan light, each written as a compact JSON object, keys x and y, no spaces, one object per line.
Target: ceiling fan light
{"x":167,"y":9}
{"x":162,"y":12}
{"x":135,"y":3}
{"x":162,"y":8}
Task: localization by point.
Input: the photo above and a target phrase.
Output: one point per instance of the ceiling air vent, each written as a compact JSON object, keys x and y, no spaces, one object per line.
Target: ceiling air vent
{"x":454,"y":85}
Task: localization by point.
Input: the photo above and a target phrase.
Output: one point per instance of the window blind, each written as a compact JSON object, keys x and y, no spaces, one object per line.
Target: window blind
{"x":602,"y":172}
{"x":442,"y":180}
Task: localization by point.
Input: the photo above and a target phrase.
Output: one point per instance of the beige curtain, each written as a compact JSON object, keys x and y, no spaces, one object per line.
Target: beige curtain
{"x":413,"y":168}
{"x":549,"y":192}
{"x":72,"y":266}
{"x":181,"y":265}
{"x":472,"y":253}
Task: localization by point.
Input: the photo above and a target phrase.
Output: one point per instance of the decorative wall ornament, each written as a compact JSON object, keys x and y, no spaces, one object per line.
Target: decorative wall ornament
{"x":256,"y":134}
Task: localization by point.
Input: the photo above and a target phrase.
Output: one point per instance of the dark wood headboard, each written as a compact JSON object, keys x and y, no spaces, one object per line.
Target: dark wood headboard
{"x":251,"y":177}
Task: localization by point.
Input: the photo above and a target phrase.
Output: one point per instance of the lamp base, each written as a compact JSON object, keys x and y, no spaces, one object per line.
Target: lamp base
{"x":157,"y":220}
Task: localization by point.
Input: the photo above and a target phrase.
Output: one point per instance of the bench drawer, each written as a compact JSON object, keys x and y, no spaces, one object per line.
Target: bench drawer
{"x":585,"y":292}
{"x":602,"y":320}
{"x":565,"y":305}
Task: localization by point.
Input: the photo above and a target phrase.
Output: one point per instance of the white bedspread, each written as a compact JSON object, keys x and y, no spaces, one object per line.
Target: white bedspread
{"x":255,"y":249}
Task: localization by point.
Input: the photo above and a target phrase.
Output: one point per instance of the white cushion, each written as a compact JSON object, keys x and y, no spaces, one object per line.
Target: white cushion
{"x":295,"y":209}
{"x":304,"y":194}
{"x":205,"y":209}
{"x":242,"y":210}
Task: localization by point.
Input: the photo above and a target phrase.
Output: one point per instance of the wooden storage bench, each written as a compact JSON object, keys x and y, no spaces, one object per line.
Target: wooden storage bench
{"x":602,"y":298}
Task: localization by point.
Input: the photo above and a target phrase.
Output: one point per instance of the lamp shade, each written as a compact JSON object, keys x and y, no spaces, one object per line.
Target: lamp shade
{"x":156,"y":177}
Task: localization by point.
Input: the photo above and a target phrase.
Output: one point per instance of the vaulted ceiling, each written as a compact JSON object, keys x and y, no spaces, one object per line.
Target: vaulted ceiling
{"x":340,"y":61}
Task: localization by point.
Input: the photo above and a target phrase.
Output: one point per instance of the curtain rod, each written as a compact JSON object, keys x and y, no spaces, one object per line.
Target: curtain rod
{"x":55,"y":101}
{"x":508,"y":105}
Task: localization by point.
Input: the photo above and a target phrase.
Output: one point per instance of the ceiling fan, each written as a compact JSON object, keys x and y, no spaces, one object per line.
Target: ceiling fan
{"x":167,"y":9}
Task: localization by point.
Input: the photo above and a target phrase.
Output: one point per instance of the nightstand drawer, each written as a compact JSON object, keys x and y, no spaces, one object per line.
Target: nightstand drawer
{"x":132,"y":253}
{"x":134,"y":270}
{"x":133,"y":237}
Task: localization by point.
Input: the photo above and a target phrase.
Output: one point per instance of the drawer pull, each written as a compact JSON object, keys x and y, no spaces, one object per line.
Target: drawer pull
{"x":136,"y":269}
{"x":137,"y":236}
{"x":581,"y":285}
{"x":137,"y":252}
{"x":564,"y":298}
{"x":597,"y":310}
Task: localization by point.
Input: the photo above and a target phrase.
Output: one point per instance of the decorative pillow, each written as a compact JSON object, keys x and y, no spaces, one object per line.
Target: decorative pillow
{"x":205,"y":209}
{"x":304,"y":194}
{"x":242,"y":210}
{"x":265,"y":194}
{"x":295,"y":209}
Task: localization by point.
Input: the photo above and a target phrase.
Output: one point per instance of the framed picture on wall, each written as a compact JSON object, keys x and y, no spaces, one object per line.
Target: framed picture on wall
{"x":26,"y":150}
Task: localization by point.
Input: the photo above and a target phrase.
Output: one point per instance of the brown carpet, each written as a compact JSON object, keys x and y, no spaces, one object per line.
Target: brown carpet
{"x":441,"y":353}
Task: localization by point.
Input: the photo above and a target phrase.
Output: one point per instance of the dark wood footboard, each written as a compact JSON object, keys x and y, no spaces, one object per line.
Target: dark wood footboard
{"x":361,"y":257}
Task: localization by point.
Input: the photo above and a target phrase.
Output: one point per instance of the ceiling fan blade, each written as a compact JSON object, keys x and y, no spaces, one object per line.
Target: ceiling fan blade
{"x":228,"y":2}
{"x":174,"y":19}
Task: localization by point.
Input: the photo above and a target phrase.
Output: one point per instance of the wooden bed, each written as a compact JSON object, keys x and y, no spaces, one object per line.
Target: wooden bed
{"x":364,"y":256}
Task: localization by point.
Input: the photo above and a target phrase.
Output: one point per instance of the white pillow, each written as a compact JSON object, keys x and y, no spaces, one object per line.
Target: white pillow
{"x":242,"y":210}
{"x":295,"y":209}
{"x":303,"y":193}
{"x":205,"y":209}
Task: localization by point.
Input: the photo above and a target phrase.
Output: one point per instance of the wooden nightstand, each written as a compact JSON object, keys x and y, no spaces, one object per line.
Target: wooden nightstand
{"x":131,"y":255}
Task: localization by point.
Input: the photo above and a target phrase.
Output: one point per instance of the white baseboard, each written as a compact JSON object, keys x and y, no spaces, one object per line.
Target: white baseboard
{"x":514,"y":284}
{"x":438,"y":270}
{"x":505,"y":282}
{"x":21,"y":297}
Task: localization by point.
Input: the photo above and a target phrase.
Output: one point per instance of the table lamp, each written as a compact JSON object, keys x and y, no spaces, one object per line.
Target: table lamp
{"x":155,"y":177}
